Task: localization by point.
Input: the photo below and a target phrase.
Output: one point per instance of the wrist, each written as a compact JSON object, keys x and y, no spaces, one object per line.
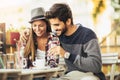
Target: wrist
{"x":66,"y":55}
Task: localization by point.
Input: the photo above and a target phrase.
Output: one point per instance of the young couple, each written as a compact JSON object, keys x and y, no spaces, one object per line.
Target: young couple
{"x":79,"y":45}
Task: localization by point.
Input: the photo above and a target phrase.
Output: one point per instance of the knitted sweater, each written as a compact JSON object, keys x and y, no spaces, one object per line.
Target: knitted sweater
{"x":84,"y":50}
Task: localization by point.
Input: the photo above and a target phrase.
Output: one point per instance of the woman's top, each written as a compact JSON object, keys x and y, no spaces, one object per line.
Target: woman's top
{"x":40,"y":54}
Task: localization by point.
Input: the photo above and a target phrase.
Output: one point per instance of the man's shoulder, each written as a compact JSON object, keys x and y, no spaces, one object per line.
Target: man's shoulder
{"x":86,"y":33}
{"x":85,"y":30}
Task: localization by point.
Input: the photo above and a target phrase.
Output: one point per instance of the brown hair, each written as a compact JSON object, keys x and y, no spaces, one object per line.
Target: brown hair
{"x":61,"y":11}
{"x":30,"y":46}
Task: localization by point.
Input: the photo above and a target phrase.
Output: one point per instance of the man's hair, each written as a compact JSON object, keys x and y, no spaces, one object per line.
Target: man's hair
{"x":61,"y":11}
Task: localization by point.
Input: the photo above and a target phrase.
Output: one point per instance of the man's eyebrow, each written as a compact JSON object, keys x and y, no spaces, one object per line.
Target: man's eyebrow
{"x":57,"y":24}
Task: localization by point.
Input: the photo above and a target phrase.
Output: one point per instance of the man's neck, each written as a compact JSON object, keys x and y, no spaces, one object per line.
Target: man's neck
{"x":71,"y":30}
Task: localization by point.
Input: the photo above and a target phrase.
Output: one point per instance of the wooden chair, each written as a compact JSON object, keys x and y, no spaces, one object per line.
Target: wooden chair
{"x":112,"y":60}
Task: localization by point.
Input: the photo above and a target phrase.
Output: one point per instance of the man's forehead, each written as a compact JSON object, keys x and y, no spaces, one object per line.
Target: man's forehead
{"x":54,"y":21}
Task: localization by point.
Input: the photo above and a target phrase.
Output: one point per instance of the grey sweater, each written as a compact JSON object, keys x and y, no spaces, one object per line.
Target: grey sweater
{"x":84,"y":50}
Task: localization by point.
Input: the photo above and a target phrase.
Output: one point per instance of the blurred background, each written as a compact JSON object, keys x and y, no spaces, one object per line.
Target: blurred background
{"x":102,"y":16}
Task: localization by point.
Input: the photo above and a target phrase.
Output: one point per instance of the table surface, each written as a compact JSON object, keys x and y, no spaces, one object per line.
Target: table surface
{"x":9,"y":70}
{"x":27,"y":71}
{"x":29,"y":74}
{"x":46,"y":70}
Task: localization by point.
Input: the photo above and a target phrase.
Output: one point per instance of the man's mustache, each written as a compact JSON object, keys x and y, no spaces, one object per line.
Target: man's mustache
{"x":58,"y":30}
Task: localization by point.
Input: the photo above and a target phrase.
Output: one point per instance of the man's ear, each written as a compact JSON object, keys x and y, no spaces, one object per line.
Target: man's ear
{"x":68,"y":22}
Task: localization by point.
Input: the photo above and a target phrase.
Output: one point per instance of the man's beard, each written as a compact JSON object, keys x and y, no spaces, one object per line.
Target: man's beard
{"x":64,"y":31}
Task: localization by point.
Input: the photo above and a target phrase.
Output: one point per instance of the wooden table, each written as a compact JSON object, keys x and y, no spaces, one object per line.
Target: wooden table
{"x":5,"y":73}
{"x":28,"y":74}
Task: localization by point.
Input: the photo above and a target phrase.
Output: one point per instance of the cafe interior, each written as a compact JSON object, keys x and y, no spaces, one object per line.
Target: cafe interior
{"x":102,"y":16}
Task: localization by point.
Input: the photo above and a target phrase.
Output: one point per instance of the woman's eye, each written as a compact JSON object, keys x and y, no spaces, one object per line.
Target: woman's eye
{"x":38,"y":25}
{"x":41,"y":25}
{"x":34,"y":25}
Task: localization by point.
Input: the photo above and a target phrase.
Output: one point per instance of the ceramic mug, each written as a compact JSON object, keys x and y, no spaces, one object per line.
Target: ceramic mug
{"x":39,"y":63}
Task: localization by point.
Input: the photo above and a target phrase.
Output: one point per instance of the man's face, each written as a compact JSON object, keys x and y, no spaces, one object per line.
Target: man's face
{"x":58,"y":26}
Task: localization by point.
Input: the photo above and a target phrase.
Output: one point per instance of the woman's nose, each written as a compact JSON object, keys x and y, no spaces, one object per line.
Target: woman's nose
{"x":37,"y":27}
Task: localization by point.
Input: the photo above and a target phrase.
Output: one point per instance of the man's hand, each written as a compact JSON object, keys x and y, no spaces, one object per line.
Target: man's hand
{"x":57,"y":50}
{"x":24,"y":35}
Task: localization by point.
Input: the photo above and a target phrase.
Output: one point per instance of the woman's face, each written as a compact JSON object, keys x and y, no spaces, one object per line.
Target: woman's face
{"x":39,"y":27}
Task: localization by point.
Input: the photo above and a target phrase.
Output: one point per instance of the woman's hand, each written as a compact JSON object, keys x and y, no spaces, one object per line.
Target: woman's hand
{"x":24,"y":35}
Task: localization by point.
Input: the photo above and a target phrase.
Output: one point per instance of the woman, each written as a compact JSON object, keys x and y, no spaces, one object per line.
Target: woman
{"x":39,"y":32}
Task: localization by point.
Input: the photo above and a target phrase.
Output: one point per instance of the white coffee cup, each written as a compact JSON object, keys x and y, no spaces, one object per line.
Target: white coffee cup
{"x":24,"y":63}
{"x":39,"y":63}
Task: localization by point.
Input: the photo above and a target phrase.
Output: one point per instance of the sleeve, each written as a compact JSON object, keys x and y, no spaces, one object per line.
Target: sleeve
{"x":92,"y":62}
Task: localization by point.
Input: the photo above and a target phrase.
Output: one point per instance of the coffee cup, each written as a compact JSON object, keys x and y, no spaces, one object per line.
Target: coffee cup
{"x":39,"y":63}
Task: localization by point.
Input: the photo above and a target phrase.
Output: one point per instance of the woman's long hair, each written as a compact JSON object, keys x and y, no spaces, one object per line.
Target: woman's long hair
{"x":30,"y":48}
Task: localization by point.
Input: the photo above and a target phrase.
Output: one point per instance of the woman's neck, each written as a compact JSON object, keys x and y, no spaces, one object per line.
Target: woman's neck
{"x":41,"y":41}
{"x":42,"y":37}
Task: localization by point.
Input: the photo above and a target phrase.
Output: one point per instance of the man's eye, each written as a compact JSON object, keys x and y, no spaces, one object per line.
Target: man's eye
{"x":56,"y":24}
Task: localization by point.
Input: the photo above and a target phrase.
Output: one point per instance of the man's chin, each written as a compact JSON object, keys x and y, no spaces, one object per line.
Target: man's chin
{"x":58,"y":34}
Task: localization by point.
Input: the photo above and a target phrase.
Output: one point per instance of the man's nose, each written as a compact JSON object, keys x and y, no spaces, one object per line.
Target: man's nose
{"x":54,"y":29}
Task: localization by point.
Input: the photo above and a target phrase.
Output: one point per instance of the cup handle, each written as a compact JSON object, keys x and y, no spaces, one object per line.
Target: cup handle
{"x":34,"y":63}
{"x":24,"y":63}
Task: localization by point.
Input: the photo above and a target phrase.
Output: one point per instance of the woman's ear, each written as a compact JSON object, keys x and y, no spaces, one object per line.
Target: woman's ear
{"x":68,"y":22}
